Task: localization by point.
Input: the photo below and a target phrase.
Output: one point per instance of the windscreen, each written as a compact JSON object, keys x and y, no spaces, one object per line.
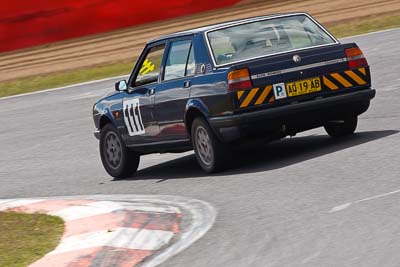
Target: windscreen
{"x":266,"y":37}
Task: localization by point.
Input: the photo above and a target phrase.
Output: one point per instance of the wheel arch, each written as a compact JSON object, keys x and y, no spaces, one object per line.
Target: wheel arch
{"x":195,"y":108}
{"x":105,"y":118}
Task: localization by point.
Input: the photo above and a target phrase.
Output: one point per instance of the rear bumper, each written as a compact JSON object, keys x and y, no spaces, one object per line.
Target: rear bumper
{"x":311,"y":113}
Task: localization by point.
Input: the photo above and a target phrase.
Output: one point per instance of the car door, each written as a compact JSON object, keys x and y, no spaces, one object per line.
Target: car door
{"x":138,"y":103}
{"x":174,"y":89}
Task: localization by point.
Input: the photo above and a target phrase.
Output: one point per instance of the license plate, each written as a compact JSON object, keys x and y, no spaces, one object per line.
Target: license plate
{"x":303,"y":87}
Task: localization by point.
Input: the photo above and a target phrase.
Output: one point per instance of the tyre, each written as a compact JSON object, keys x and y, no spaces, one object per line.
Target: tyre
{"x":118,"y":160}
{"x":211,"y":154}
{"x":342,"y":128}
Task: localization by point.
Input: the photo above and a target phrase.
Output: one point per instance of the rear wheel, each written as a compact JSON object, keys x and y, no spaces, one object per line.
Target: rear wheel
{"x":212,"y":155}
{"x":341,"y":128}
{"x":118,"y":160}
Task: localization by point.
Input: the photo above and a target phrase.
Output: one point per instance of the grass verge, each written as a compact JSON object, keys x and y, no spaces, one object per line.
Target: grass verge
{"x":37,"y":83}
{"x":31,"y":84}
{"x":25,"y":238}
{"x":364,"y":25}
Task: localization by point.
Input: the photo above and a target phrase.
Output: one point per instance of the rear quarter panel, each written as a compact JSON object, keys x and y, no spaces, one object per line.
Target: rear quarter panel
{"x":210,"y":85}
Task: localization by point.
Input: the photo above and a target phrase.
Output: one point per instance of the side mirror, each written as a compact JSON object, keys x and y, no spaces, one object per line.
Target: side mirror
{"x":121,"y":86}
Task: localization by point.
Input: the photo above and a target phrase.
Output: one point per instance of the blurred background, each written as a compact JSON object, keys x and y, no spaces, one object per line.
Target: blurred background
{"x":49,"y":43}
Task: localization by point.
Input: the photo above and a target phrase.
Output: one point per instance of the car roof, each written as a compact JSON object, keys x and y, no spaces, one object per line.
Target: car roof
{"x":221,"y":25}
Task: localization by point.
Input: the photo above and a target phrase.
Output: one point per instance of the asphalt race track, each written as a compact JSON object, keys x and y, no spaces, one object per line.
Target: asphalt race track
{"x":303,"y":201}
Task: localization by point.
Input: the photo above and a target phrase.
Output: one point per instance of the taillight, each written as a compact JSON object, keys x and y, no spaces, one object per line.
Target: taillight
{"x":355,"y":58}
{"x":239,"y":80}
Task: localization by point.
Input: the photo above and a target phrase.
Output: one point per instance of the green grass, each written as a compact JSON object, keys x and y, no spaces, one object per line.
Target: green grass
{"x":25,"y":238}
{"x":365,"y":25}
{"x":31,"y":84}
{"x":37,"y":83}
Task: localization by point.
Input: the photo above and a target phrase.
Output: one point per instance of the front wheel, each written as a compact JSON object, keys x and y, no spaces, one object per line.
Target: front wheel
{"x":211,"y":154}
{"x":341,"y":128}
{"x":118,"y":160}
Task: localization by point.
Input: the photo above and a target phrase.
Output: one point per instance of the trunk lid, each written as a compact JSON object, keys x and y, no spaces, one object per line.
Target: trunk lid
{"x":300,"y":75}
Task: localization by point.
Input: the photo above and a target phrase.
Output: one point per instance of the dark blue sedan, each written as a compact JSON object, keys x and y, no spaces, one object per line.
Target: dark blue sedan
{"x":212,"y":88}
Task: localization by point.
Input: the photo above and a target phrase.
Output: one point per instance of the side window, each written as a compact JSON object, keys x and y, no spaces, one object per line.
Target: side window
{"x":150,"y":67}
{"x":191,"y":66}
{"x":180,"y":55}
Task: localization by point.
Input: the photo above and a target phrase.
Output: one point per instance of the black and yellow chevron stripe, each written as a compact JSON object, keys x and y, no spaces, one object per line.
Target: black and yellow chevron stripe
{"x":345,"y":79}
{"x":255,"y":96}
{"x":332,"y":81}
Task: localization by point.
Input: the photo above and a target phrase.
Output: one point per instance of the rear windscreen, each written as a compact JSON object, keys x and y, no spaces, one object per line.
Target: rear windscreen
{"x":266,"y":37}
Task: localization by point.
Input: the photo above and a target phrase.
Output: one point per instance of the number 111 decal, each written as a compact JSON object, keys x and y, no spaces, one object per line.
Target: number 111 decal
{"x":132,"y":117}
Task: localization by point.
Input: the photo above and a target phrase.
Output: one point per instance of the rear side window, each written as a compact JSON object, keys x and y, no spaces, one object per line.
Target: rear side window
{"x":191,"y":66}
{"x":150,"y":66}
{"x":265,"y":37}
{"x":180,"y":60}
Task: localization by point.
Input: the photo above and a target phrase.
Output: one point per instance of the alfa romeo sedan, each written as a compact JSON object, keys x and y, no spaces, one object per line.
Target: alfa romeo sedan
{"x":215,"y":87}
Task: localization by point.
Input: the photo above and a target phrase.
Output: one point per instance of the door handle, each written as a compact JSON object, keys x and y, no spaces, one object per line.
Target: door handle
{"x":186,"y":84}
{"x":151,"y":91}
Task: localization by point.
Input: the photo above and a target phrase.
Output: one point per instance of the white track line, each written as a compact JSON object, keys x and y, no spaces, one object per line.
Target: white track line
{"x":346,"y":205}
{"x":63,"y":87}
{"x":377,"y":196}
